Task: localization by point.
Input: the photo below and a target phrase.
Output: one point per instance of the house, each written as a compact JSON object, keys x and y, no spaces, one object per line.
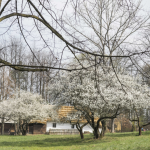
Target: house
{"x":54,"y":127}
{"x":9,"y":127}
{"x":50,"y":126}
{"x":36,"y":127}
{"x":59,"y":126}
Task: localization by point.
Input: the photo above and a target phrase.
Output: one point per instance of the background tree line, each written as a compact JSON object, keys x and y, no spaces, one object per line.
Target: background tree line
{"x":34,"y":82}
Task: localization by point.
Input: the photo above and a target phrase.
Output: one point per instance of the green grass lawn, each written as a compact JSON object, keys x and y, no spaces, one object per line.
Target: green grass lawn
{"x":116,"y":141}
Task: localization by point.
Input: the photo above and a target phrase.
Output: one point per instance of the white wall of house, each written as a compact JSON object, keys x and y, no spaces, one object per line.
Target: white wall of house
{"x":58,"y":126}
{"x":66,"y":126}
{"x":87,"y":128}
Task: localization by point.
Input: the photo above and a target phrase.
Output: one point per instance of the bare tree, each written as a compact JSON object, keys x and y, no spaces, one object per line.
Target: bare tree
{"x":141,"y":116}
{"x":110,"y":23}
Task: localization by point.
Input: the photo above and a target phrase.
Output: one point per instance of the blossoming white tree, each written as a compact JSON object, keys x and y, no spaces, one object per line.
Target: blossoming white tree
{"x":24,"y":107}
{"x":100,"y":95}
{"x":5,"y":114}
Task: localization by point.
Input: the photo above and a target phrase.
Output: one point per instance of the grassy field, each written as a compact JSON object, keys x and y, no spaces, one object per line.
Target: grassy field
{"x":116,"y":141}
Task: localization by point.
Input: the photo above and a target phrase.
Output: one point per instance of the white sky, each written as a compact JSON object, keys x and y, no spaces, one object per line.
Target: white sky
{"x":59,"y":4}
{"x":146,"y":4}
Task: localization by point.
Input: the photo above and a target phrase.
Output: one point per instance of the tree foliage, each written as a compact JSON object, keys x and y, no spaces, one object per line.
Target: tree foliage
{"x":102,"y":97}
{"x":24,"y":107}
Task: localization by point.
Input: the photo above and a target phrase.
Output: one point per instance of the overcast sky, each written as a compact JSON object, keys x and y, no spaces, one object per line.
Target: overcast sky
{"x":60,"y":4}
{"x":146,"y":4}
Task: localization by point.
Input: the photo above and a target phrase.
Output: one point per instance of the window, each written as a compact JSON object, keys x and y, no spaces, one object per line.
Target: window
{"x":54,"y":125}
{"x":72,"y":126}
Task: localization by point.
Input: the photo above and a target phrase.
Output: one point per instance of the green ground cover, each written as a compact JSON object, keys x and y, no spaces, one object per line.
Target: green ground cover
{"x":116,"y":141}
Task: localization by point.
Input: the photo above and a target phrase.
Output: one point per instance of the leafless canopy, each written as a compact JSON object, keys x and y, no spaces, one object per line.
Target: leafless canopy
{"x":95,"y":28}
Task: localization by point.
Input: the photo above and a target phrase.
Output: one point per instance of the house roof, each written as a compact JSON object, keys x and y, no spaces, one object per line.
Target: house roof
{"x":63,"y":112}
{"x":9,"y":121}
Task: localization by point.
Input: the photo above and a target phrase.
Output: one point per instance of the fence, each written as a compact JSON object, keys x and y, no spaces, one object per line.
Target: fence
{"x":63,"y":131}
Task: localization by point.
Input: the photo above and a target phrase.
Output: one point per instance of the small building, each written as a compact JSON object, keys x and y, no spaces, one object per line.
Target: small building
{"x":33,"y":128}
{"x":37,"y":128}
{"x":54,"y":127}
{"x":9,"y":128}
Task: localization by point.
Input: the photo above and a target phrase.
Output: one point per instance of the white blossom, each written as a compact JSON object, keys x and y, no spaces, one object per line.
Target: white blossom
{"x":82,"y":93}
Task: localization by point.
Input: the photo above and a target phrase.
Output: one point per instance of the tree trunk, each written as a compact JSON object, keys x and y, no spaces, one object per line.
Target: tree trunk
{"x":19,"y":127}
{"x":15,"y":128}
{"x":81,"y":134}
{"x":24,"y":132}
{"x":31,"y":86}
{"x":140,"y":133}
{"x":103,"y":128}
{"x":80,"y":129}
{"x":43,"y":87}
{"x":24,"y":128}
{"x":112,"y":125}
{"x":2,"y":128}
{"x":96,"y":133}
{"x":40,"y":84}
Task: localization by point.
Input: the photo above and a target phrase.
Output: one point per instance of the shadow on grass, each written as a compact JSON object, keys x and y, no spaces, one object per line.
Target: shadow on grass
{"x":125,"y":134}
{"x":52,"y":142}
{"x":143,"y":148}
{"x":122,"y":134}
